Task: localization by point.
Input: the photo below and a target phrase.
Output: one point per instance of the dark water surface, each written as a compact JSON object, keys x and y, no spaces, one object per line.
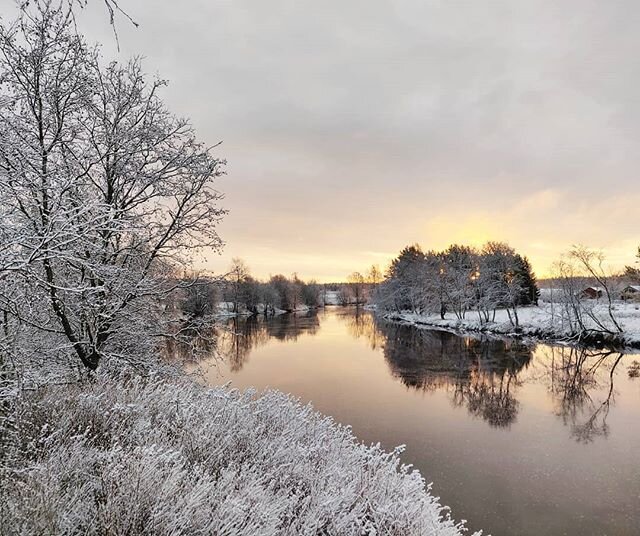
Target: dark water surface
{"x":517,"y":439}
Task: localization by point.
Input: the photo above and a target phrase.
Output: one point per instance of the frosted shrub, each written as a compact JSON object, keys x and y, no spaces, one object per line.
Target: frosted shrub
{"x":171,"y":457}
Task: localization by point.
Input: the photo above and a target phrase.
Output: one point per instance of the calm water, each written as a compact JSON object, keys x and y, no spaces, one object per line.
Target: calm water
{"x":517,"y":439}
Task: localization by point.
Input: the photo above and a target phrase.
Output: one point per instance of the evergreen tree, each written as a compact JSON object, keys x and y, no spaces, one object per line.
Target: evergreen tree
{"x":530,"y":291}
{"x":633,"y":272}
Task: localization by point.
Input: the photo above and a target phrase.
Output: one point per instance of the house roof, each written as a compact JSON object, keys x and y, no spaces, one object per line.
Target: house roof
{"x":595,"y":289}
{"x":635,"y":288}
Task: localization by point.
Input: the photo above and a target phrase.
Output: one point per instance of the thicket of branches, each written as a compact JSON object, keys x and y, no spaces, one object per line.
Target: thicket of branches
{"x":246,"y":293}
{"x":576,"y":313}
{"x":459,"y":280}
{"x":104,"y":197}
{"x":360,"y":288}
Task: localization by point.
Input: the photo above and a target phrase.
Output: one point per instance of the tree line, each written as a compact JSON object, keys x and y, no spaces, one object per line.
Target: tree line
{"x":239,"y":292}
{"x":243,"y":292}
{"x":459,"y":280}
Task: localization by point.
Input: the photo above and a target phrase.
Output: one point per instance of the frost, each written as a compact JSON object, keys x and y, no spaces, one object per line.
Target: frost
{"x":172,"y":457}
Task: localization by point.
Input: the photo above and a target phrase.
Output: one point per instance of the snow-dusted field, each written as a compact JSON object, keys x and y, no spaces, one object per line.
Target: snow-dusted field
{"x":170,"y":458}
{"x":545,"y":320}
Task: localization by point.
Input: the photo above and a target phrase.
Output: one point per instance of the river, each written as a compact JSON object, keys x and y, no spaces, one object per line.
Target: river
{"x":518,"y":439}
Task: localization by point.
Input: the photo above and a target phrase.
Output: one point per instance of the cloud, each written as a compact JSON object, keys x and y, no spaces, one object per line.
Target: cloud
{"x":363,"y":126}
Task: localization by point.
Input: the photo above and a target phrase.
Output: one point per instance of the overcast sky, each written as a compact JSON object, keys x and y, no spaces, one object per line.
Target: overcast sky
{"x":352,"y":129}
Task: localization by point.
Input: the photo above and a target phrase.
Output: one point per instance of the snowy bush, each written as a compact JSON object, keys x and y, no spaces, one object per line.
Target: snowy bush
{"x":171,"y":457}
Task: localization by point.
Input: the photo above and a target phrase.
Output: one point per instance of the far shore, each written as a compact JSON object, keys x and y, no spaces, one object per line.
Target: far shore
{"x":537,"y":323}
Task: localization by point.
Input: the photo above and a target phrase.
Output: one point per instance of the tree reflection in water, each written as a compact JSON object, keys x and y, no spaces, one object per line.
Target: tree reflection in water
{"x":238,"y":337}
{"x":481,"y":374}
{"x":581,"y":382}
{"x":191,"y":342}
{"x":361,"y":324}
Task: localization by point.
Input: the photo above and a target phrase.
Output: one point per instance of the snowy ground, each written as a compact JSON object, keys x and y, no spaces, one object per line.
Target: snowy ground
{"x":544,"y":321}
{"x":332,"y":297}
{"x":226,"y":309}
{"x":169,"y":457}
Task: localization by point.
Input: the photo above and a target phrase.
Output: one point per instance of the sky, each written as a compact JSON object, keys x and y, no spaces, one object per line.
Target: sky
{"x":354,"y":128}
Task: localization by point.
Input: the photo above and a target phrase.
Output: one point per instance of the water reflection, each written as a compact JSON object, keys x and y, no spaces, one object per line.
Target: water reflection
{"x":480,"y":374}
{"x":362,"y":324}
{"x":239,"y":336}
{"x":191,"y":342}
{"x":518,"y":438}
{"x":581,"y":383}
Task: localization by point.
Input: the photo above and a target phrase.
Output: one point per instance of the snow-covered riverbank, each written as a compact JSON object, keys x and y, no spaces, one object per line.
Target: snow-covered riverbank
{"x":542,"y":322}
{"x":172,"y":457}
{"x":230,"y":310}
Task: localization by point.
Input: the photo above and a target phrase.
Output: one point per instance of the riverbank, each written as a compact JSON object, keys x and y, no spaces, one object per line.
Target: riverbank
{"x":172,"y":457}
{"x":228,"y":310}
{"x":543,"y":322}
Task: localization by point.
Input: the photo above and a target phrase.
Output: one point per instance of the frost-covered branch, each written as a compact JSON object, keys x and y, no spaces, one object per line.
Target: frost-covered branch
{"x":105,"y":194}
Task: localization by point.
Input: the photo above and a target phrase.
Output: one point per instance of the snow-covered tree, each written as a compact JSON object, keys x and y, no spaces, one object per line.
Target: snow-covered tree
{"x":460,"y":267}
{"x":104,"y":192}
{"x":506,"y":283}
{"x":458,"y":280}
{"x":236,"y":277}
{"x":580,"y":267}
{"x":403,"y":286}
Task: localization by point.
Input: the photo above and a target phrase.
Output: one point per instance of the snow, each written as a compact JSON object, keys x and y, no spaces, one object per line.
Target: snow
{"x":226,"y":309}
{"x":543,"y":321}
{"x":169,"y":456}
{"x":332,"y":297}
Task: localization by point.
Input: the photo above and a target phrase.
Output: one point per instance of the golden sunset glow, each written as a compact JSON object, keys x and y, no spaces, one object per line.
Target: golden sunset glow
{"x":542,"y":226}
